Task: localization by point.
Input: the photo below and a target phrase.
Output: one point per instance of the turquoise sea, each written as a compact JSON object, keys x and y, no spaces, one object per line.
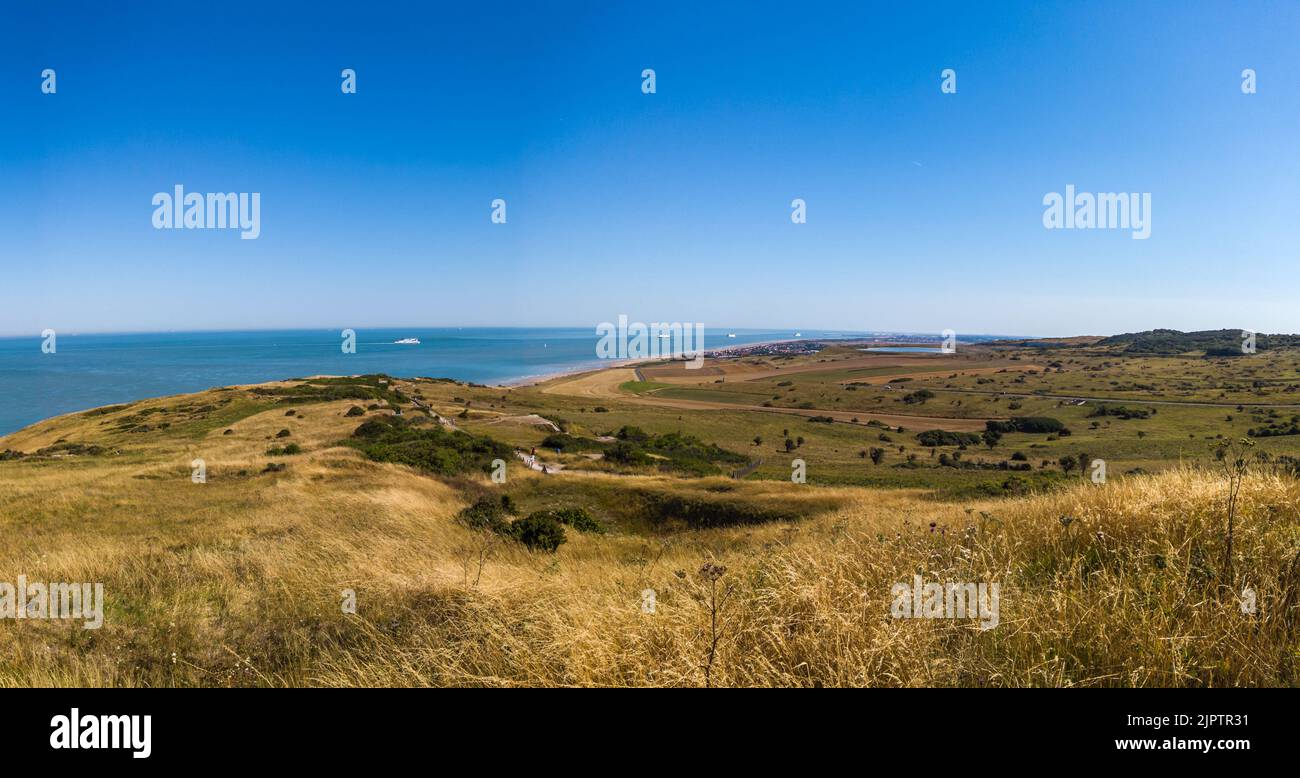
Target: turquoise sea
{"x":87,"y":371}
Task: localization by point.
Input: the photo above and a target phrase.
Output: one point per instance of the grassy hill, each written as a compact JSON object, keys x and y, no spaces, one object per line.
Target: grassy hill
{"x":1216,"y":342}
{"x":240,"y":581}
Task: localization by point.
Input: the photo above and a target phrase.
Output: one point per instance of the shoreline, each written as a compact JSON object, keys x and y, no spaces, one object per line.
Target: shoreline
{"x":612,"y":364}
{"x":511,"y":383}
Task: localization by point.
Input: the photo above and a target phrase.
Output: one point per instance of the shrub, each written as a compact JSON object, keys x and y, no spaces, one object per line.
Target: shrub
{"x":355,"y":411}
{"x":680,"y":453}
{"x":565,"y":442}
{"x":946,"y":438}
{"x":624,"y":453}
{"x":437,"y":450}
{"x":1122,"y":412}
{"x":488,"y":513}
{"x":575,"y":517}
{"x":703,"y":513}
{"x":539,"y":531}
{"x":1032,"y":424}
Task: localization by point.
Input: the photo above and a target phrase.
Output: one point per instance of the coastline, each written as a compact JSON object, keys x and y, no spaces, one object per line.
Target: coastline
{"x":610,"y":364}
{"x":178,"y":364}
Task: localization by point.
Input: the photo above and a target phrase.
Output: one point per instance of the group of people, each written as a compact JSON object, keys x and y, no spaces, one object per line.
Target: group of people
{"x":531,"y":460}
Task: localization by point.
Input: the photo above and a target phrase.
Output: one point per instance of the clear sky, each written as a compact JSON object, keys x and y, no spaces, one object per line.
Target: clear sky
{"x":924,"y":209}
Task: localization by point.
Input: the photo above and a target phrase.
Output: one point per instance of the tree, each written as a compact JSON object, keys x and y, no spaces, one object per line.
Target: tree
{"x":991,"y":438}
{"x":918,"y":397}
{"x":1066,"y":462}
{"x":1084,"y":461}
{"x":789,"y":445}
{"x":758,"y":440}
{"x":877,"y":455}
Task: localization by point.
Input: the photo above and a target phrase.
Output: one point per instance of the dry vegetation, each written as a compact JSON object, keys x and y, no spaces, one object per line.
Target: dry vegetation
{"x":239,"y":581}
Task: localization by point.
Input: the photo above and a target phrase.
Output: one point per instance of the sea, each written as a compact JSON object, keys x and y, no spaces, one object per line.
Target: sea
{"x":89,"y":370}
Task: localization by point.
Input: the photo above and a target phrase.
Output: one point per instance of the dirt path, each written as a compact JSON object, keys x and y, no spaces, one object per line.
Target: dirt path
{"x":533,"y":463}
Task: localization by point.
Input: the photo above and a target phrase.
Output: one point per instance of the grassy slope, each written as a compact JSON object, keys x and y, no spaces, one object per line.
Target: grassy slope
{"x":238,"y":581}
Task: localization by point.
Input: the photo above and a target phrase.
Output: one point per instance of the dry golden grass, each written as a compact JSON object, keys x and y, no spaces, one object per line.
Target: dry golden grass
{"x":239,"y":581}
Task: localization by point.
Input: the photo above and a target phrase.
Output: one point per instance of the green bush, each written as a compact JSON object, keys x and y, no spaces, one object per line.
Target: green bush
{"x":569,"y":443}
{"x":624,"y":453}
{"x":1031,"y":424}
{"x":945,"y":438}
{"x":1122,"y":412}
{"x":539,"y":531}
{"x":683,"y":454}
{"x":435,"y":449}
{"x":575,"y":517}
{"x":488,"y":513}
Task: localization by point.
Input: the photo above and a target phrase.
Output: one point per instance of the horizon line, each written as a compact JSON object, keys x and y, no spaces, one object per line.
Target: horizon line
{"x":211,"y":330}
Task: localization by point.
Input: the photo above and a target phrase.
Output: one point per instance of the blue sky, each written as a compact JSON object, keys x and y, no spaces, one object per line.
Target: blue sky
{"x":924,"y":209}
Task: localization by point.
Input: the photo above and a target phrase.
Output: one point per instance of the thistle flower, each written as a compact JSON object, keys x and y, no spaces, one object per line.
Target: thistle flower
{"x":712,"y":572}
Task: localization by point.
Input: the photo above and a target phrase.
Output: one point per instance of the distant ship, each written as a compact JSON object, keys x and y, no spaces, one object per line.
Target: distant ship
{"x":407,"y":342}
{"x":798,"y":334}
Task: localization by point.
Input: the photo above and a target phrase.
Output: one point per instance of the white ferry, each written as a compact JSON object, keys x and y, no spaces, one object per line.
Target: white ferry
{"x":407,"y":342}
